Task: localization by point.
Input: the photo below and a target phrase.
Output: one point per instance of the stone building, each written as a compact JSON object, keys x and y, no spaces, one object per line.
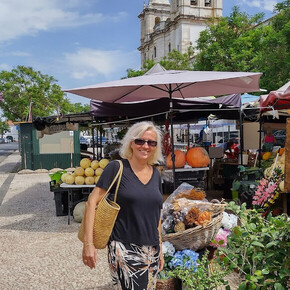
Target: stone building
{"x":175,"y":24}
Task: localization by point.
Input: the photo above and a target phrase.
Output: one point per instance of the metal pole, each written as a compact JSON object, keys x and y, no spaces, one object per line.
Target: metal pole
{"x":172,"y":136}
{"x":260,"y":139}
{"x":93,"y":138}
{"x":241,"y":136}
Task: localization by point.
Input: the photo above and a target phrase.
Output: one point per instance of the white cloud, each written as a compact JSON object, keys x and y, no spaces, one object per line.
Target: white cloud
{"x":90,"y":63}
{"x":4,"y":66}
{"x":18,"y":17}
{"x":262,"y":4}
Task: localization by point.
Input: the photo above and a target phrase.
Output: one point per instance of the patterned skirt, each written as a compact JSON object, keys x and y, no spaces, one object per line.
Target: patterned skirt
{"x":132,"y":266}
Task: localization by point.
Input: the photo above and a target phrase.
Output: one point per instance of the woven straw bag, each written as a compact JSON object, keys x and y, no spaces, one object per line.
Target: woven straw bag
{"x":105,"y":216}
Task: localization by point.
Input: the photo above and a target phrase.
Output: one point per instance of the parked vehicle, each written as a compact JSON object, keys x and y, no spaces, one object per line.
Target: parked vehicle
{"x":280,"y":136}
{"x":84,"y":143}
{"x":104,"y":141}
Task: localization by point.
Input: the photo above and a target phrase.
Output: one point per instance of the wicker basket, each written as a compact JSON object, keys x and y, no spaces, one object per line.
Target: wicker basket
{"x":195,"y":238}
{"x":168,"y":284}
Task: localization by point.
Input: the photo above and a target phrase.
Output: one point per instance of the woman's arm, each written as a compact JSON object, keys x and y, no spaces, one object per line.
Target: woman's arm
{"x":89,"y":251}
{"x":161,"y":264}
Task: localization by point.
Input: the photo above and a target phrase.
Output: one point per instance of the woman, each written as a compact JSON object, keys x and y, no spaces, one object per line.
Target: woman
{"x":134,"y":249}
{"x":268,"y":141}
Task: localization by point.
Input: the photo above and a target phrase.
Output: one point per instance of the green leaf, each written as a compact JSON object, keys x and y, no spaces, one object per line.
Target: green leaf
{"x":278,"y":286}
{"x":258,"y":244}
{"x":258,"y":273}
{"x":274,"y":243}
{"x":265,"y":271}
{"x":243,"y":286}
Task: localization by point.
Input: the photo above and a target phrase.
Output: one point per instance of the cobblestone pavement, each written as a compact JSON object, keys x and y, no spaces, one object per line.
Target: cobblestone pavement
{"x":38,"y":249}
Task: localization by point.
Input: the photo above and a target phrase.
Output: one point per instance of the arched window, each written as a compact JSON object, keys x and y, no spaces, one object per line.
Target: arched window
{"x":144,"y":56}
{"x":155,"y":53}
{"x":207,"y":3}
{"x":193,"y":2}
{"x":169,"y":47}
{"x":157,"y":20}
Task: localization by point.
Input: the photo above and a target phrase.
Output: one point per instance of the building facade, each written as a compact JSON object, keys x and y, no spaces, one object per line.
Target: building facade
{"x":175,"y":24}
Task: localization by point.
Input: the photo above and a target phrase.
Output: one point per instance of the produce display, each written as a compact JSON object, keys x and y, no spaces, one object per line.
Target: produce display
{"x":87,"y":173}
{"x":180,"y":159}
{"x":195,"y":157}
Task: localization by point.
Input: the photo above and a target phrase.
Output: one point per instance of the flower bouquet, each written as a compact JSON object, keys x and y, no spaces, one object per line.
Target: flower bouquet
{"x":268,"y":189}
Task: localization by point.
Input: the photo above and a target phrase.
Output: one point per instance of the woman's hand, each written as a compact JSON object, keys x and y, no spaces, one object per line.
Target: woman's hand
{"x":161,"y":262}
{"x":89,"y":255}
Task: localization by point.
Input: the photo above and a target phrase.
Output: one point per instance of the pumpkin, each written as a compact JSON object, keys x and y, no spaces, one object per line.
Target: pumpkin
{"x":266,"y":155}
{"x":197,"y":157}
{"x":180,"y":159}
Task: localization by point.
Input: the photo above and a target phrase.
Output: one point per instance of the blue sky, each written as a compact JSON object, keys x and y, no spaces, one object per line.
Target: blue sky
{"x":81,"y":42}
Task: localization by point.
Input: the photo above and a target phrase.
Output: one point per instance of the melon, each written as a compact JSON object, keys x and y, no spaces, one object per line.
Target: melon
{"x":79,"y":171}
{"x":97,"y":179}
{"x":95,"y":164}
{"x":98,"y":171}
{"x":180,"y":159}
{"x":89,"y":171}
{"x":85,"y":163}
{"x":79,"y":180}
{"x":79,"y":211}
{"x":70,"y":179}
{"x":197,"y":157}
{"x":63,"y":176}
{"x":89,"y":180}
{"x":103,"y":163}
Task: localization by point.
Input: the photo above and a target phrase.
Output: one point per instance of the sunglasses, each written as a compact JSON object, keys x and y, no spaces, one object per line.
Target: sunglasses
{"x":141,"y":142}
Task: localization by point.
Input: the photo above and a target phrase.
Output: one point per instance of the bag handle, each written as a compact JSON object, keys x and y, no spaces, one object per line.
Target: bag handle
{"x":118,"y":175}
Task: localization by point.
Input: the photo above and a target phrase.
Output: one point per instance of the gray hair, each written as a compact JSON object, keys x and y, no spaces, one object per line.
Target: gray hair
{"x":136,"y":131}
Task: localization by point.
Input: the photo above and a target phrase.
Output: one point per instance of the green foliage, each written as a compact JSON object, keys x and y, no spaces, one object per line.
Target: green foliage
{"x":4,"y":127}
{"x":239,"y":43}
{"x":175,"y":60}
{"x":207,"y":275}
{"x":148,"y":64}
{"x":23,"y":86}
{"x":259,"y":249}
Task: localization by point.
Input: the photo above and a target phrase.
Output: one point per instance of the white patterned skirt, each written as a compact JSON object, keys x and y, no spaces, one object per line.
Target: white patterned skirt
{"x":132,"y":266}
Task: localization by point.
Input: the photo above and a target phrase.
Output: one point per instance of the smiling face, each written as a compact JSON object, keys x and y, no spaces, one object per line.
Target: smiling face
{"x":143,"y":152}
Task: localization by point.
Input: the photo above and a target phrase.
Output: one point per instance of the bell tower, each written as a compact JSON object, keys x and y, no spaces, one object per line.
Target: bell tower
{"x":173,"y":25}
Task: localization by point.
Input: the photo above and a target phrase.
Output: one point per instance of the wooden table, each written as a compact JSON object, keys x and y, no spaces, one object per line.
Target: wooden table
{"x":70,"y":188}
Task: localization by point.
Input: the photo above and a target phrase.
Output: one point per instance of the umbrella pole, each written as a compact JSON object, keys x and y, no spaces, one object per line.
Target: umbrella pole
{"x":241,"y":136}
{"x":172,"y":136}
{"x":260,"y":139}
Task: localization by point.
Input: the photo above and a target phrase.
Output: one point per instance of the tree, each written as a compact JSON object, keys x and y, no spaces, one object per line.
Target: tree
{"x":242,"y":43}
{"x":78,"y":108}
{"x":275,"y":50}
{"x":136,"y":73}
{"x":175,"y":60}
{"x":4,"y":128}
{"x":22,"y":88}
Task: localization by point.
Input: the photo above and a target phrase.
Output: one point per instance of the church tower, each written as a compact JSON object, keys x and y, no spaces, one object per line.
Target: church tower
{"x":174,"y":25}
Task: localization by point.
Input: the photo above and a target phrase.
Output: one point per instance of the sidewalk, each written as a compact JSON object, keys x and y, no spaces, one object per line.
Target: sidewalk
{"x":38,"y":249}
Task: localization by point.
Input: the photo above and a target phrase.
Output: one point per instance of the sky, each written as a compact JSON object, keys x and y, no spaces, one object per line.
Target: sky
{"x":82,"y":42}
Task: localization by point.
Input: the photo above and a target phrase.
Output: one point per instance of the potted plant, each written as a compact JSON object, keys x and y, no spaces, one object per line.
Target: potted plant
{"x":259,"y":249}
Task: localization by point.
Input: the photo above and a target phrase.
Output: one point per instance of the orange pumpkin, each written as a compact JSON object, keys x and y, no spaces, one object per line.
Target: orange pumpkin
{"x":197,"y":157}
{"x":180,"y":159}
